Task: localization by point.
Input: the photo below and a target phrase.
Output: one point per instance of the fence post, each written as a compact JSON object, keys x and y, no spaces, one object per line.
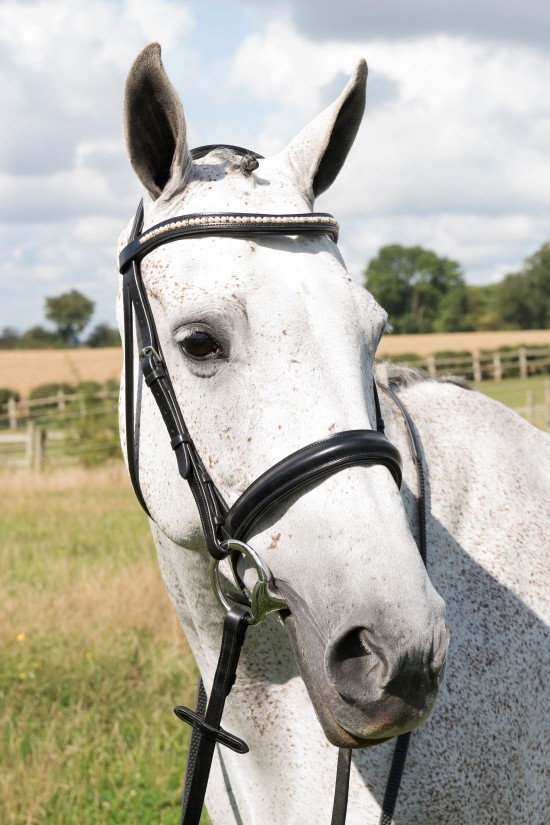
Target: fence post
{"x":476,"y":367}
{"x":12,"y":413}
{"x":60,"y":399}
{"x":530,"y":406}
{"x":497,"y":366}
{"x":522,"y":358}
{"x":30,"y":443}
{"x":40,"y":445}
{"x":432,"y":367}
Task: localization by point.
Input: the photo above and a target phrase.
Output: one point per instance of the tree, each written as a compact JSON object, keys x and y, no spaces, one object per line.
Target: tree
{"x":38,"y":337}
{"x":103,"y":336}
{"x":414,"y":285}
{"x":9,"y":338}
{"x":70,"y":313}
{"x":523,"y":298}
{"x":482,"y":311}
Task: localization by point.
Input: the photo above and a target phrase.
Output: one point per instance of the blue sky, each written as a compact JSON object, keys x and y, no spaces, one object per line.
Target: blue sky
{"x":453,"y":154}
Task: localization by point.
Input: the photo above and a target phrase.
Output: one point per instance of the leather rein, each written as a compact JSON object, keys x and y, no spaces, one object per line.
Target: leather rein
{"x":226,"y":528}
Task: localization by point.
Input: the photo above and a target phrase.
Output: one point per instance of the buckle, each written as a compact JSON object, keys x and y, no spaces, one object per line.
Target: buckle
{"x":152,"y":365}
{"x":143,"y":353}
{"x":263,"y":598}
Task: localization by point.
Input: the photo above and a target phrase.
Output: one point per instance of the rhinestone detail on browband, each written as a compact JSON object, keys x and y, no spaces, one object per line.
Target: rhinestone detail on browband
{"x":241,"y":220}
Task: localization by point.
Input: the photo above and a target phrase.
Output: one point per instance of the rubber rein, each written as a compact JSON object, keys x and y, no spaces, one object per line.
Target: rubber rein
{"x":226,"y":528}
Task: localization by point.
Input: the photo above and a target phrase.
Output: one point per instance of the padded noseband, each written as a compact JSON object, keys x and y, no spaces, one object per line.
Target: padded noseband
{"x":306,"y":466}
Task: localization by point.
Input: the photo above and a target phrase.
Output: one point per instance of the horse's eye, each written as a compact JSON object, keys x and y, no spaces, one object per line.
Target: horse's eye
{"x":200,"y":344}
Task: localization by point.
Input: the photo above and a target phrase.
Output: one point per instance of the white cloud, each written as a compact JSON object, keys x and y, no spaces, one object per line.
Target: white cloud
{"x":67,"y":186}
{"x":63,"y":67}
{"x":491,"y":20}
{"x":487,"y":248}
{"x":454,"y":154}
{"x":54,"y":258}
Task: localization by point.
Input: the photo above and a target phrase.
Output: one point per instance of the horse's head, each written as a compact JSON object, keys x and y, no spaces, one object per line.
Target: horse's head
{"x":270,"y":346}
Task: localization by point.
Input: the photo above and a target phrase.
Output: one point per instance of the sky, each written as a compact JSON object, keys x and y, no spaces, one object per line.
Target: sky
{"x":453,"y":153}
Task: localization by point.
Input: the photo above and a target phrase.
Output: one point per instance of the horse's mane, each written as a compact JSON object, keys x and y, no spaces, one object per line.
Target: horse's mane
{"x":402,"y":377}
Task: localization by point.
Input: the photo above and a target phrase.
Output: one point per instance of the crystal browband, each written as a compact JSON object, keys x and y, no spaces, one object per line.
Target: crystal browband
{"x":226,"y":223}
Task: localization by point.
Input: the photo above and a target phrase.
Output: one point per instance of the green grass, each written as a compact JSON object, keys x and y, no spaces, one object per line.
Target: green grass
{"x":93,"y":658}
{"x":513,"y":393}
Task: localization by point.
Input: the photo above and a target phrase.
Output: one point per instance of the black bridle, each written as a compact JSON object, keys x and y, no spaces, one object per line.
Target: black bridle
{"x":226,"y":528}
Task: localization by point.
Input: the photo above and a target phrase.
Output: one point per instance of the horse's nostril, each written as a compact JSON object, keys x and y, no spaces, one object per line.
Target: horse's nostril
{"x":353,"y":645}
{"x":349,"y":661}
{"x":364,"y":668}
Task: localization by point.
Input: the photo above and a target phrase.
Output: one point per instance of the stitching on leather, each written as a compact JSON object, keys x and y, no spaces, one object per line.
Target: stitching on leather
{"x":385,"y":461}
{"x":375,"y":433}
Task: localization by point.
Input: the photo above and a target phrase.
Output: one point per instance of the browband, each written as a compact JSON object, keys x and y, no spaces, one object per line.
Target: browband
{"x":234,"y":224}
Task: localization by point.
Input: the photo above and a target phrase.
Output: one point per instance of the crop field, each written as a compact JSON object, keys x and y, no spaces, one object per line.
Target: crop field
{"x":93,"y":657}
{"x":22,"y":370}
{"x":432,"y":343}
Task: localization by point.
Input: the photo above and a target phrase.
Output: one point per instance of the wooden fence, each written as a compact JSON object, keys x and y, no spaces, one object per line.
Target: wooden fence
{"x":27,"y":448}
{"x":34,"y":432}
{"x":38,"y":445}
{"x":15,"y":413}
{"x":482,"y":366}
{"x":44,"y":431}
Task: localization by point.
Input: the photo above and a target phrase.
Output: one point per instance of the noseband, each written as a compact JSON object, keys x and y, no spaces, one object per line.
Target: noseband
{"x":227,"y":528}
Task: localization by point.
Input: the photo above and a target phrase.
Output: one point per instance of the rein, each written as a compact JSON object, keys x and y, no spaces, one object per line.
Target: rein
{"x":226,"y":528}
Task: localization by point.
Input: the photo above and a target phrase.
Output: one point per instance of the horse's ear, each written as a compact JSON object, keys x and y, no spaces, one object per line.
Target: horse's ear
{"x":154,"y":124}
{"x":318,"y":152}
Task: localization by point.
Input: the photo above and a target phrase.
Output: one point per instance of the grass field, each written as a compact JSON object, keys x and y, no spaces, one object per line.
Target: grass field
{"x":513,"y":393}
{"x":93,"y":657}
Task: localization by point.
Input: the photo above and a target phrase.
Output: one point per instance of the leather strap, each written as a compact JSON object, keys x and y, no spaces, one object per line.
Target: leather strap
{"x":201,"y":702}
{"x":201,"y":151}
{"x":131,"y":440}
{"x":234,"y":630}
{"x":231,"y":224}
{"x":402,"y":742}
{"x":341,"y":787}
{"x":305,"y":466}
{"x":210,"y":504}
{"x":394,"y":778}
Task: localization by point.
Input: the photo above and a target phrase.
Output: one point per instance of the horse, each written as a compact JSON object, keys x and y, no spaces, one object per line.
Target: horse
{"x":270,"y":346}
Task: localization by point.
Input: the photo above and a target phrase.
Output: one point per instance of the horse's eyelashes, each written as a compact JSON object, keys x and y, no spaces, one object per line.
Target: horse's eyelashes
{"x":199,"y":344}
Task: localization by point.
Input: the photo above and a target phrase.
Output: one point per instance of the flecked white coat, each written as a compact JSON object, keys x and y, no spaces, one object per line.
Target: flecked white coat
{"x":299,"y":339}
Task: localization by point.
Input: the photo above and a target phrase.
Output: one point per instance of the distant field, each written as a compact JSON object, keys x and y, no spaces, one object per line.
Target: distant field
{"x":461,"y":341}
{"x":22,"y":370}
{"x":93,"y":657}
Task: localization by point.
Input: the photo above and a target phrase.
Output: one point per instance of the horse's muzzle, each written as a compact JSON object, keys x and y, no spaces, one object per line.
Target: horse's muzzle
{"x":365,"y":688}
{"x":390,"y":686}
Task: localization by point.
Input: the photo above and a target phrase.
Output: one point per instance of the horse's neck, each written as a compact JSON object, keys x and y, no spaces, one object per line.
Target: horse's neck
{"x":488,"y":480}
